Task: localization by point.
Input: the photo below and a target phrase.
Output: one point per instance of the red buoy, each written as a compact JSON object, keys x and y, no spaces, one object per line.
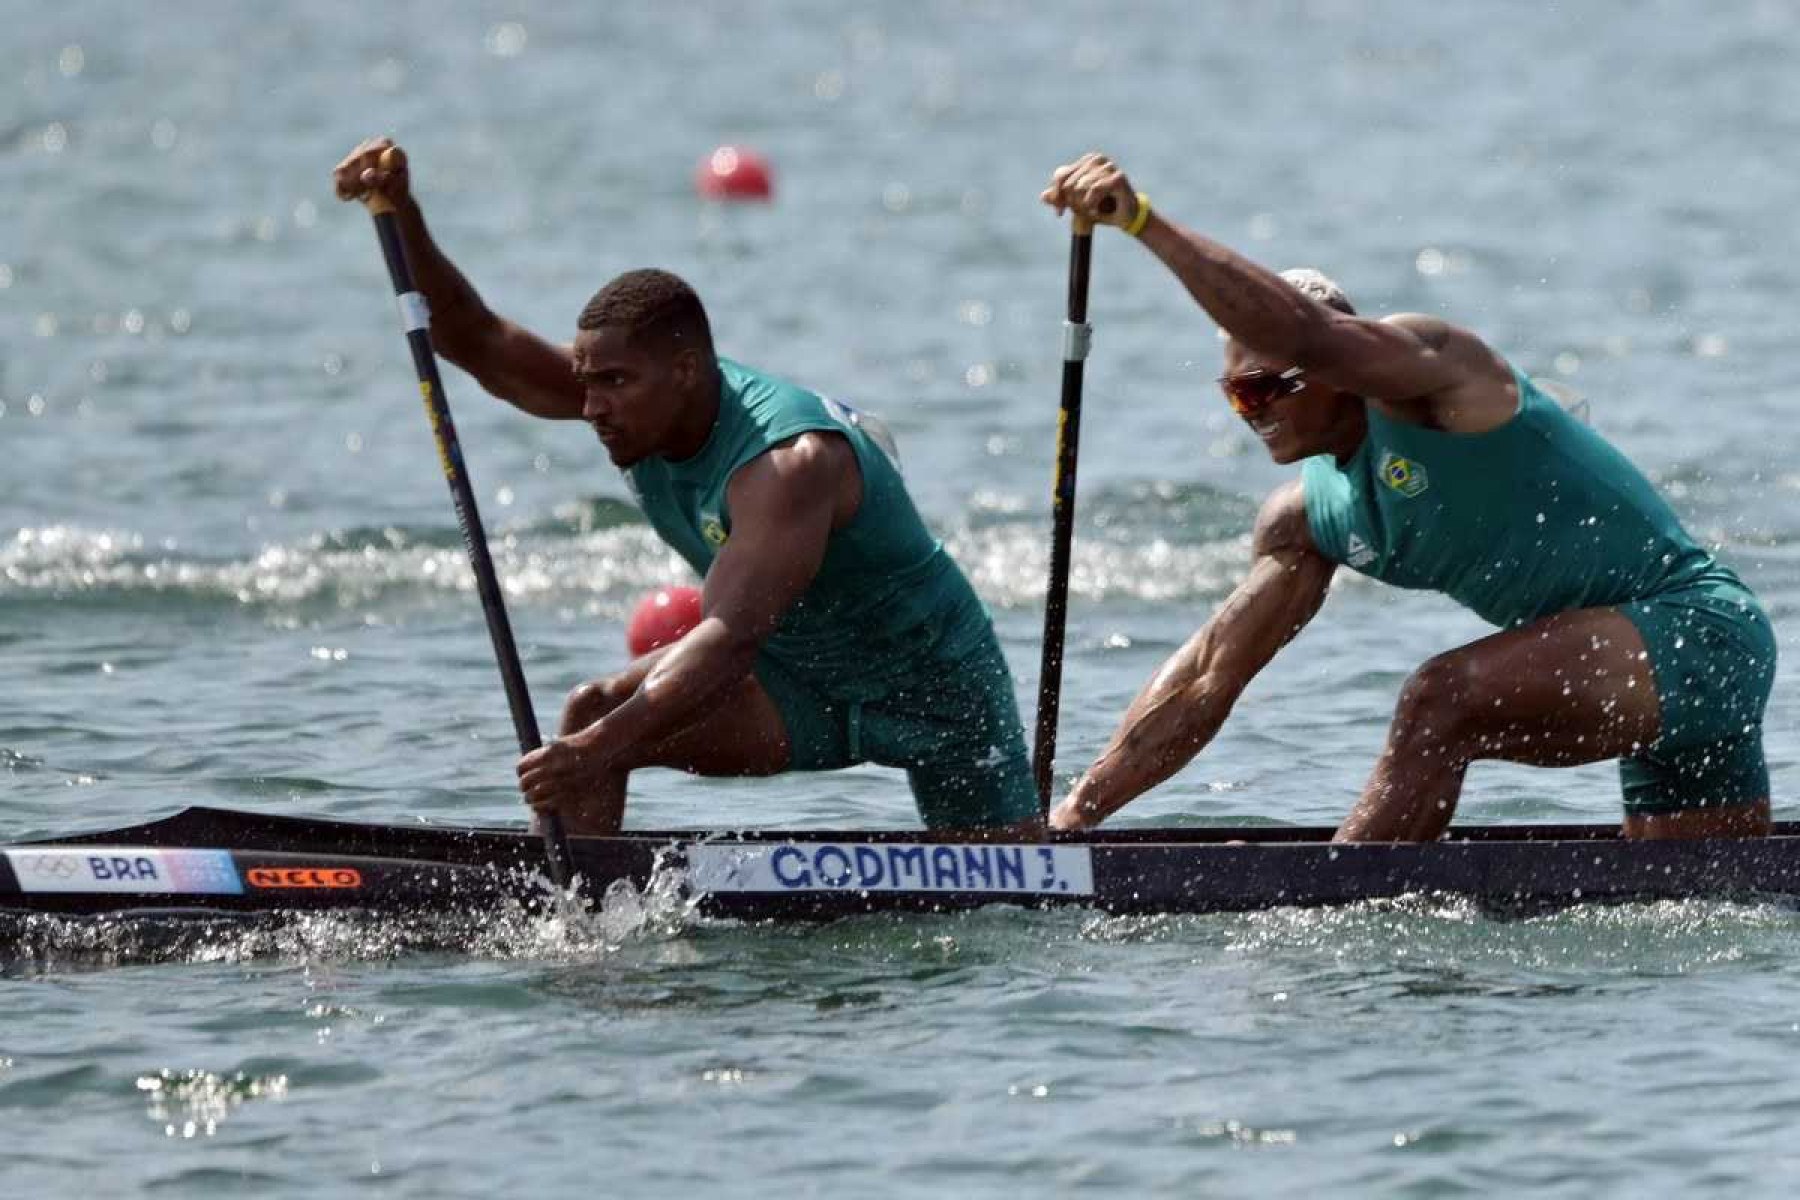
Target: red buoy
{"x":734,"y":173}
{"x":662,"y":617}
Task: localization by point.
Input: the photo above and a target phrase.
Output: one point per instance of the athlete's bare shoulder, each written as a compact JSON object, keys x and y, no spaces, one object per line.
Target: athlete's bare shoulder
{"x":1281,"y":527}
{"x":803,"y":468}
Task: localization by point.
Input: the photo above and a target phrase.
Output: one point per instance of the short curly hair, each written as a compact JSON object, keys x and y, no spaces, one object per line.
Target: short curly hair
{"x":655,"y":308}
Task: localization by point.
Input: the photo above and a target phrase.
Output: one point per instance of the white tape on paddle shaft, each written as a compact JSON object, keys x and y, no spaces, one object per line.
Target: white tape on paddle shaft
{"x":1076,"y":340}
{"x":415,"y":314}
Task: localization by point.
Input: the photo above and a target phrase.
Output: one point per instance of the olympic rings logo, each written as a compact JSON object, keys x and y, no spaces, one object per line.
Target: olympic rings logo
{"x":55,"y":866}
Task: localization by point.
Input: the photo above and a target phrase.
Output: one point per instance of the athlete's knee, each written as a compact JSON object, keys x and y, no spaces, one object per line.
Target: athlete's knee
{"x":1436,"y":710}
{"x":593,"y":700}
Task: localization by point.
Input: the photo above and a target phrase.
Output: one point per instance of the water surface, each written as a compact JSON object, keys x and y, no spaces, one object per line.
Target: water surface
{"x":229,"y":574}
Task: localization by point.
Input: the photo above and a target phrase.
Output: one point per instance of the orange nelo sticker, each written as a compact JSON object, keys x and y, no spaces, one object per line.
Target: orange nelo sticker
{"x":304,"y":877}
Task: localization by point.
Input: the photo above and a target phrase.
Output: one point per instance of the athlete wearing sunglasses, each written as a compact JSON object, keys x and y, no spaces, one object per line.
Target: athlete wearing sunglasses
{"x":1252,"y":393}
{"x":1431,"y":462}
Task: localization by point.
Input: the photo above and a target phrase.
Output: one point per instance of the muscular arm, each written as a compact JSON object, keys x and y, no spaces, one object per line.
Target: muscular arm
{"x":511,"y":362}
{"x":508,"y":360}
{"x":781,"y":517}
{"x":1398,"y":361}
{"x":1423,"y":370}
{"x":1184,"y":704}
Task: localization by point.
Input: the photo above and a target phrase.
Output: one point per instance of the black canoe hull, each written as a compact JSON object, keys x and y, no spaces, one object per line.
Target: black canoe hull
{"x":211,"y":860}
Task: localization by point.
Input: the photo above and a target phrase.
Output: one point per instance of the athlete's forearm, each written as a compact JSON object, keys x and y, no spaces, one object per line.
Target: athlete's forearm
{"x":1251,"y":303}
{"x":1182,"y":707}
{"x":1172,"y":720}
{"x":682,"y":687}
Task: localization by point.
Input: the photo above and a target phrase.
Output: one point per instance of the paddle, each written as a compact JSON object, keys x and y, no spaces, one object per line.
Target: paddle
{"x":417,"y":320}
{"x":1077,"y":333}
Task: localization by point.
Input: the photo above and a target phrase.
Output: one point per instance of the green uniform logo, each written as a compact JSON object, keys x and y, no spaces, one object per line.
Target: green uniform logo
{"x":1404,"y":475}
{"x":713,"y":531}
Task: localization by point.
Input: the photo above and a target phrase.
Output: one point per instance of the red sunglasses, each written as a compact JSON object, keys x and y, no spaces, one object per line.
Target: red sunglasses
{"x":1250,"y":392}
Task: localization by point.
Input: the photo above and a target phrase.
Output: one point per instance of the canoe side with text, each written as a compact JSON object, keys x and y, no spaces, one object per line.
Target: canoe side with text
{"x":222,"y":860}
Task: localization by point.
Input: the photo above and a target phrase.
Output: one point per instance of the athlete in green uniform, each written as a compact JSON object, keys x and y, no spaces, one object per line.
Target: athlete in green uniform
{"x":1430,"y":462}
{"x":835,"y":628}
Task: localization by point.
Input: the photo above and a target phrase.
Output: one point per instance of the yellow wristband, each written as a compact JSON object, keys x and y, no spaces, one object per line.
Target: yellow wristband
{"x":1141,"y":218}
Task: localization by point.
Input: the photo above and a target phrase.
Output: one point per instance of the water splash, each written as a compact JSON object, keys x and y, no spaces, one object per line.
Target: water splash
{"x":551,"y":925}
{"x":193,"y":1103}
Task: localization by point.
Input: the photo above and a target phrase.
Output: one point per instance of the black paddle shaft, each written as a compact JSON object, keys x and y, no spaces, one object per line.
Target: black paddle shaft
{"x":1076,"y":335}
{"x":418,"y":338}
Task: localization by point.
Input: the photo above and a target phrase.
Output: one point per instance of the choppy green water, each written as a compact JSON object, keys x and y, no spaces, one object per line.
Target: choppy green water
{"x":229,"y":574}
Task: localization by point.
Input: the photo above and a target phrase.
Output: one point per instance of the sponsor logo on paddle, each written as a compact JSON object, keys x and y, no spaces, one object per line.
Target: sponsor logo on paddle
{"x":131,"y":870}
{"x":892,"y":867}
{"x":303,"y":877}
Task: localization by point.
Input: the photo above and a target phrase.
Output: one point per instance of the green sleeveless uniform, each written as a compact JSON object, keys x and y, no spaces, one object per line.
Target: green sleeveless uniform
{"x":1540,"y":516}
{"x":888,"y":656}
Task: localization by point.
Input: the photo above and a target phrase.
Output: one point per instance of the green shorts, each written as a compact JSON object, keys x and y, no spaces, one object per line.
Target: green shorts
{"x":1713,"y":654}
{"x":956,"y":734}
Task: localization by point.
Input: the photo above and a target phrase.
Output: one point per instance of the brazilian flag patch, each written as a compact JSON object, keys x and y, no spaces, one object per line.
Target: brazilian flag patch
{"x":1404,"y":475}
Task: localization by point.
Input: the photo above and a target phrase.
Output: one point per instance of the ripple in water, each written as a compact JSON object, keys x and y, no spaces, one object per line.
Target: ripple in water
{"x":1448,"y":932}
{"x":599,"y":572}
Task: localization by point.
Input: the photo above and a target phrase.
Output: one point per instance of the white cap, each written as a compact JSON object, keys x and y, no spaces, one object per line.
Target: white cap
{"x":1320,"y":287}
